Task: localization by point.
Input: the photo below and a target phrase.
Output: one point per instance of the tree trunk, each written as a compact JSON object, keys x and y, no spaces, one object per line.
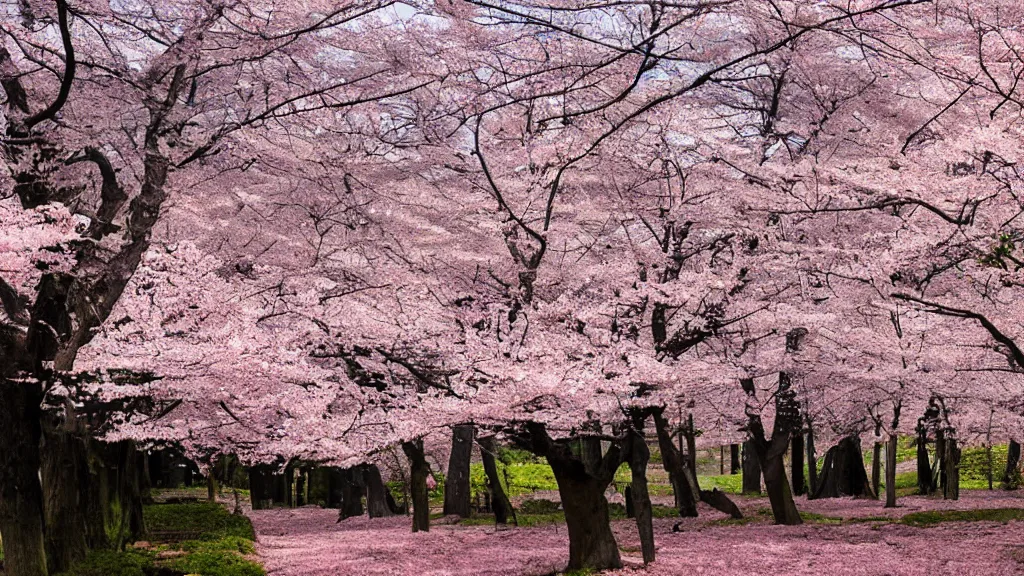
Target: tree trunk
{"x":499,"y":500}
{"x":939,"y":468}
{"x":734,"y":459}
{"x":352,"y":493}
{"x":691,"y":447}
{"x":335,"y":487}
{"x":591,"y":542}
{"x":843,"y":473}
{"x":1011,"y":477}
{"x":376,"y":493}
{"x":289,"y":486}
{"x":751,"y":470}
{"x":777,"y":486}
{"x":419,"y":470}
{"x":876,"y":467}
{"x":300,"y":488}
{"x":640,"y":498}
{"x":890,"y":471}
{"x":684,"y":485}
{"x":211,"y":486}
{"x":951,"y":490}
{"x":261,"y":487}
{"x":812,"y":462}
{"x":456,"y":483}
{"x":21,"y":494}
{"x":925,"y":485}
{"x":796,"y":457}
{"x":65,"y":478}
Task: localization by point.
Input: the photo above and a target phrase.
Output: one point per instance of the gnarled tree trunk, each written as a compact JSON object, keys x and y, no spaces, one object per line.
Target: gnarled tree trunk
{"x":65,"y":476}
{"x":1011,"y":477}
{"x":456,"y":483}
{"x":770,"y":451}
{"x":499,"y":500}
{"x":21,"y":494}
{"x":812,"y":461}
{"x":876,"y":467}
{"x":581,"y":487}
{"x":734,"y":458}
{"x":751,"y":470}
{"x":951,"y":486}
{"x":796,"y":457}
{"x":639,"y":497}
{"x":261,"y":487}
{"x":843,"y":473}
{"x":684,"y":485}
{"x":925,"y":484}
{"x":419,"y":470}
{"x":890,"y":471}
{"x":376,"y":493}
{"x":591,"y":542}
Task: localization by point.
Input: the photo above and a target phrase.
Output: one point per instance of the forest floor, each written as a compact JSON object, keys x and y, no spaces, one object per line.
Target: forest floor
{"x":981,"y":534}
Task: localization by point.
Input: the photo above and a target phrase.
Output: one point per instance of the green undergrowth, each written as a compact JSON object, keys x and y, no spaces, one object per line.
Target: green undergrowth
{"x":193,"y":538}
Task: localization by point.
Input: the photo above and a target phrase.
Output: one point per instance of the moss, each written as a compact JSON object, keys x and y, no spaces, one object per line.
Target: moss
{"x":215,"y":563}
{"x":198,"y":521}
{"x":111,"y":563}
{"x":216,"y":545}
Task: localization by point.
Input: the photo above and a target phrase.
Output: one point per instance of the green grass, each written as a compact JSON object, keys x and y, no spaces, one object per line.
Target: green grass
{"x":210,"y":521}
{"x":217,"y":545}
{"x":729,"y":483}
{"x":935,"y":517}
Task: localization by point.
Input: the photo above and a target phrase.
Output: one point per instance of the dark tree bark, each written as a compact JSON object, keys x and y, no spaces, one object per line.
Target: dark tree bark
{"x":499,"y":500}
{"x":65,"y":477}
{"x":734,"y":459}
{"x":719,"y":501}
{"x":419,"y":470}
{"x":812,"y":461}
{"x":876,"y":468}
{"x":771,"y":450}
{"x":843,"y":473}
{"x":796,"y":456}
{"x":590,"y":448}
{"x":376,"y":493}
{"x":591,"y":541}
{"x":684,"y":485}
{"x":925,"y":483}
{"x":638,"y":497}
{"x":456,"y":483}
{"x":261,"y":487}
{"x":289,"y":486}
{"x":21,"y":494}
{"x":751,"y":470}
{"x":890,"y":471}
{"x":335,"y":487}
{"x":1011,"y":477}
{"x":691,"y":447}
{"x":352,"y":493}
{"x":951,"y":488}
{"x":211,"y":487}
{"x":300,"y":488}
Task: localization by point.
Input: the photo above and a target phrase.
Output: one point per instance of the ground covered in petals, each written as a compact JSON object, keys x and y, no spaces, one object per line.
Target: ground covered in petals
{"x":841,"y":537}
